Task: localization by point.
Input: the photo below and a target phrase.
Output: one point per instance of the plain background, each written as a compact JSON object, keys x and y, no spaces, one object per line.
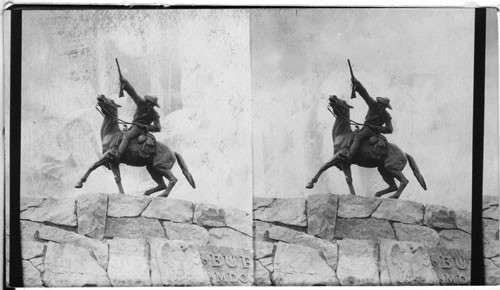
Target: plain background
{"x":422,"y":59}
{"x":197,"y":63}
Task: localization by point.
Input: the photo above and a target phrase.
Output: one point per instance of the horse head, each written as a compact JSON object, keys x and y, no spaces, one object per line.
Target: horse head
{"x":108,"y":107}
{"x":340,"y":107}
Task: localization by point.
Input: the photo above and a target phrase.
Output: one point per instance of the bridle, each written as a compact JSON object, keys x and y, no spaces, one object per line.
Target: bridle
{"x":111,"y":115}
{"x":351,"y":122}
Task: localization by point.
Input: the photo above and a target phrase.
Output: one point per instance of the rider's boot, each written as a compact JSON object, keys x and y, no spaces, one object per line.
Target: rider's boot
{"x":346,"y":155}
{"x":122,"y":148}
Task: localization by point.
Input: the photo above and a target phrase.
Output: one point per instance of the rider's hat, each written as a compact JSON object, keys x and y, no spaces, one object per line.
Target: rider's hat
{"x":152,"y":99}
{"x":384,"y":101}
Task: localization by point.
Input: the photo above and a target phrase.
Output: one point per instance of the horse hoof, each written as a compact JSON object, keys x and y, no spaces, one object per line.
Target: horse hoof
{"x":310,"y":185}
{"x":394,"y":197}
{"x":79,"y":185}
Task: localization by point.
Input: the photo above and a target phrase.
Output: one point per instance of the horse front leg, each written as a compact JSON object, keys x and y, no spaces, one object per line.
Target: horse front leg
{"x":116,"y":172}
{"x":96,"y":165}
{"x":348,"y":178}
{"x":322,"y":169}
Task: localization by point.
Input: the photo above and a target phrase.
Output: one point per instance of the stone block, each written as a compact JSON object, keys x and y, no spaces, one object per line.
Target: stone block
{"x":437,"y":216}
{"x":491,"y":241}
{"x":228,"y":266}
{"x":328,"y":249}
{"x":358,"y":263}
{"x":491,"y":213}
{"x":98,"y":248}
{"x":416,"y":233}
{"x":464,"y":220}
{"x":263,"y":249}
{"x":133,"y":228}
{"x":124,"y":205}
{"x":129,"y":263}
{"x":289,"y":211}
{"x":91,"y":210}
{"x":52,"y":210}
{"x":186,"y":232}
{"x":170,"y":209}
{"x":68,"y":265}
{"x":297,"y":265}
{"x":262,"y":275}
{"x":355,"y":206}
{"x":212,"y":216}
{"x":173,"y":263}
{"x":363,"y":229}
{"x":226,"y":237}
{"x":32,"y":249}
{"x":31,"y":275}
{"x":454,"y":239}
{"x":403,"y":211}
{"x":405,"y":263}
{"x":321,"y":215}
{"x":491,"y":273}
{"x":452,"y":266}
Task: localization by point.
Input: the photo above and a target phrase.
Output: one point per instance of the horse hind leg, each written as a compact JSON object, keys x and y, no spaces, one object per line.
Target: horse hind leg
{"x":172,"y":180}
{"x":403,"y":182}
{"x":389,"y":179}
{"x":118,"y":179}
{"x":348,"y":178}
{"x":158,"y":178}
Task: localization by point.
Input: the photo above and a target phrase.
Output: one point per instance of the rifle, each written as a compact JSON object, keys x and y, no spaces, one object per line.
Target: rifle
{"x":353,"y":91}
{"x":120,"y":94}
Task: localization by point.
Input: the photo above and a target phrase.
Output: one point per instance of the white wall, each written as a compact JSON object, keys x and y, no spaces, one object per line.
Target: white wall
{"x":421,"y":59}
{"x":68,"y":58}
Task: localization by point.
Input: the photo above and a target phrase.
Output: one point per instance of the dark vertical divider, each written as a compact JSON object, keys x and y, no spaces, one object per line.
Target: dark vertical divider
{"x":477,"y":262}
{"x":16,"y":267}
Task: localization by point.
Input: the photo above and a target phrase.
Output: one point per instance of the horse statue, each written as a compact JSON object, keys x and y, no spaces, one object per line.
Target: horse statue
{"x":158,"y":162}
{"x":390,"y":161}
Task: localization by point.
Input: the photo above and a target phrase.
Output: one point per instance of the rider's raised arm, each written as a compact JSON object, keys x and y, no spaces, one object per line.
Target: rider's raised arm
{"x":363,"y":92}
{"x":156,"y":126}
{"x":131,"y":92}
{"x":387,"y":129}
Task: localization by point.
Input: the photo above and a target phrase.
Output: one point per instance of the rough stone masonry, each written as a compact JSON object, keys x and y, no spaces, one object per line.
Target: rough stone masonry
{"x":354,"y":240}
{"x":122,"y":240}
{"x":326,"y":239}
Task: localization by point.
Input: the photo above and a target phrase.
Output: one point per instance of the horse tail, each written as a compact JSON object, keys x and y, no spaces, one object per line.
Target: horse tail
{"x":416,"y":171}
{"x":184,"y":169}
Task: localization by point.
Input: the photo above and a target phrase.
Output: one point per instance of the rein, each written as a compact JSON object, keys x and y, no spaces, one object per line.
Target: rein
{"x":120,"y":121}
{"x":351,"y":122}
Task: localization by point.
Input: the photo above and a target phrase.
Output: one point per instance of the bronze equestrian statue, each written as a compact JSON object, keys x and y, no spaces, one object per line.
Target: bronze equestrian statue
{"x":369,"y":148}
{"x":377,"y":119}
{"x":141,"y":151}
{"x":146,"y":119}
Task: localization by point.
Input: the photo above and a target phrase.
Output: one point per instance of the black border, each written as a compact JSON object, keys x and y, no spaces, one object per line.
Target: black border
{"x":477,"y":260}
{"x":16,"y":266}
{"x":16,"y":270}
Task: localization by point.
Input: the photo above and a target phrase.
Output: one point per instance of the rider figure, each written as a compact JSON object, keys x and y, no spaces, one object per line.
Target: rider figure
{"x":145,"y":114}
{"x":375,"y":119}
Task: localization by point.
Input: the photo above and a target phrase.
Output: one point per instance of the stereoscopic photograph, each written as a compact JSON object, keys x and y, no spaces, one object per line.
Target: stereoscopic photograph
{"x":253,"y":146}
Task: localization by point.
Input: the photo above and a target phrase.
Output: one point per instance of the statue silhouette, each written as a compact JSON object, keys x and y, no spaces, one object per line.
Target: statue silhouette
{"x":158,"y":162}
{"x":388,"y":158}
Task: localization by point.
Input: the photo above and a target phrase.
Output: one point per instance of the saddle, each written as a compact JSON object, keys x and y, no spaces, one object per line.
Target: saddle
{"x":378,"y":146}
{"x":144,"y":145}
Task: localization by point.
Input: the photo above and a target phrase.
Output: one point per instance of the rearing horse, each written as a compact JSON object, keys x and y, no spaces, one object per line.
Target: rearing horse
{"x":391,"y":167}
{"x":158,"y":167}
